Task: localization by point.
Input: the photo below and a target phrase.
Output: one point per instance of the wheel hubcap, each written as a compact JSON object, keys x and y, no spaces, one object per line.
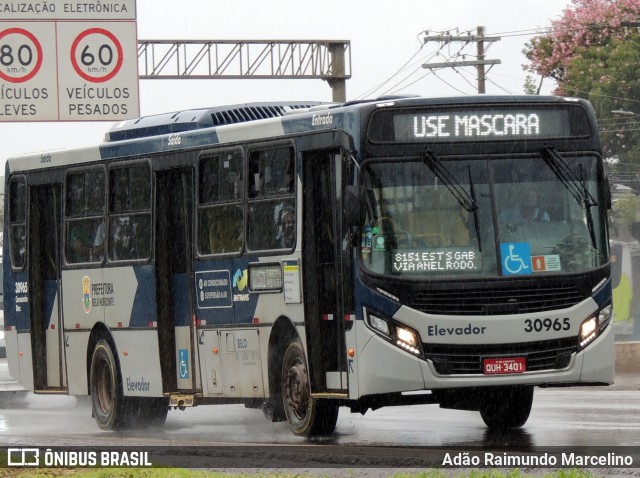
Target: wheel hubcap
{"x":298,"y":393}
{"x":103,"y":385}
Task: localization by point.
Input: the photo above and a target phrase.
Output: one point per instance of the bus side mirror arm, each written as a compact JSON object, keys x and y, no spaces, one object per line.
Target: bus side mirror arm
{"x":352,"y":206}
{"x":607,"y":193}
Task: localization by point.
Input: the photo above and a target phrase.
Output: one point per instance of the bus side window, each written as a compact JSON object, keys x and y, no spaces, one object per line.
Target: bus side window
{"x":84,"y":215}
{"x":271,"y":220}
{"x":17,"y":221}
{"x":130,"y":212}
{"x":220,"y":210}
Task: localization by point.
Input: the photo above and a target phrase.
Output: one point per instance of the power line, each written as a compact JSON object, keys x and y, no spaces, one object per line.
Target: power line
{"x":448,"y":84}
{"x":618,"y":131}
{"x":459,"y":72}
{"x":497,"y":85}
{"x":400,"y":70}
{"x":601,"y":95}
{"x":406,"y":86}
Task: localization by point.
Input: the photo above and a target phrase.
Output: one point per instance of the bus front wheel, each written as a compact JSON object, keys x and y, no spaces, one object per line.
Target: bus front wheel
{"x":506,"y":407}
{"x":306,"y":416}
{"x":108,"y":401}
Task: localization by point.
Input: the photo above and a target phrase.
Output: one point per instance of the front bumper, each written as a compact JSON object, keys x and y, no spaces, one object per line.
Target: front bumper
{"x":384,"y":368}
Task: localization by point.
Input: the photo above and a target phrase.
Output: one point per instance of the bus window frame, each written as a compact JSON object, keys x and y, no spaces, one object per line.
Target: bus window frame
{"x":149,"y":211}
{"x":16,"y":178}
{"x":66,"y":218}
{"x":199,"y":206}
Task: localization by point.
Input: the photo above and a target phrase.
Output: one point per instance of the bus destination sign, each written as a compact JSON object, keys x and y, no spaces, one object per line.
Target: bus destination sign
{"x":475,"y":124}
{"x":436,"y":260}
{"x":489,"y":125}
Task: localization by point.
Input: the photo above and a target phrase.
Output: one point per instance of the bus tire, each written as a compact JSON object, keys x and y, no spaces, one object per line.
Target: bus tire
{"x":149,"y":411}
{"x":507,"y":407}
{"x":107,"y":400}
{"x":306,"y":416}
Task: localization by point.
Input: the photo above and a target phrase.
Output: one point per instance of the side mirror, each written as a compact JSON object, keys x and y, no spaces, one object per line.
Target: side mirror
{"x":352,"y":206}
{"x":607,"y":193}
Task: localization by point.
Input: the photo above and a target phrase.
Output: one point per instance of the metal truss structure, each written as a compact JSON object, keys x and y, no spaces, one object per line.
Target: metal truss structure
{"x":328,"y":60}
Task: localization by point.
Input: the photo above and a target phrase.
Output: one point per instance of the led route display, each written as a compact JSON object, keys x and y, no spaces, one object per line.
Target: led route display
{"x":437,"y":261}
{"x":479,"y":124}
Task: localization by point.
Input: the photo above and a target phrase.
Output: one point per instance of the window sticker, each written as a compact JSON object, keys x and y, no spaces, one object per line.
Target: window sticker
{"x":548,"y":263}
{"x":516,"y":258}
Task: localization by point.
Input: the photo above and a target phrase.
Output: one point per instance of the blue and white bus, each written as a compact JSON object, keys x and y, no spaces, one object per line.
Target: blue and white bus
{"x":300,"y":257}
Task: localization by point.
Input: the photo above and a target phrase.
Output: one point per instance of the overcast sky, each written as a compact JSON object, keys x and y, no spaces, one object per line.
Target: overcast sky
{"x":384,"y":37}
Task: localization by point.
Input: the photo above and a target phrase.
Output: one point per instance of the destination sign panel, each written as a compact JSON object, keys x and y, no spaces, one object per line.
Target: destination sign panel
{"x":436,"y":260}
{"x":478,"y":124}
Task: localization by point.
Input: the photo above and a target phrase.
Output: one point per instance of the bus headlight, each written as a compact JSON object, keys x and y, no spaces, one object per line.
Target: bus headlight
{"x":604,"y":317}
{"x":588,"y":331}
{"x":398,"y":334}
{"x":379,"y":324}
{"x":590,"y":328}
{"x":407,"y":339}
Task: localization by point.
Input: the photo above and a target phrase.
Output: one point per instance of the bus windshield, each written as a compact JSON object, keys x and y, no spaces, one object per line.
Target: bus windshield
{"x":437,"y":218}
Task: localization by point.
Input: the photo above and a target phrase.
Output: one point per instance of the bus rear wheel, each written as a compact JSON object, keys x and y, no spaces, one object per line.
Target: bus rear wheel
{"x":506,"y":407}
{"x":306,"y":416}
{"x":147,"y":411}
{"x":108,"y":401}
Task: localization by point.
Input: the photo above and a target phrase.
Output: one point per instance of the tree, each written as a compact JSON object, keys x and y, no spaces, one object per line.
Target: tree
{"x":530,"y":87}
{"x":589,"y":23}
{"x":593,"y":52}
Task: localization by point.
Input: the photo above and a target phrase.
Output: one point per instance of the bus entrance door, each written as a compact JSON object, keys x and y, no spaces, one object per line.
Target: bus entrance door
{"x":324,"y":304}
{"x":44,"y":287}
{"x":174,"y":281}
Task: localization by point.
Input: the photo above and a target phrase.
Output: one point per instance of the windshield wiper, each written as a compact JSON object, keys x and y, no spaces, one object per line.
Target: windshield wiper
{"x":461,"y":195}
{"x":567,"y":177}
{"x":466,"y":200}
{"x":570,"y":180}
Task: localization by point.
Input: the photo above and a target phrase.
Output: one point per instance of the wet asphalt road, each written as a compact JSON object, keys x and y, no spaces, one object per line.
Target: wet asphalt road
{"x":560,"y":419}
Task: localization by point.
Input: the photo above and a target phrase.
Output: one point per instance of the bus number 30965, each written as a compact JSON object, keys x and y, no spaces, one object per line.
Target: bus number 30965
{"x":546,"y":325}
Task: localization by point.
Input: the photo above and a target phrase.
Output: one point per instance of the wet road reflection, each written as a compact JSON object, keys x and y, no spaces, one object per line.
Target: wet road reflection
{"x":560,"y":417}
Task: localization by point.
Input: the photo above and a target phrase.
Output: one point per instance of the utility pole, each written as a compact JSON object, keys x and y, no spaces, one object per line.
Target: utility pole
{"x":479,"y":63}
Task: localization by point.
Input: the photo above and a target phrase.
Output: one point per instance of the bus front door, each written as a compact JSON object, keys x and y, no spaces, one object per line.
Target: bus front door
{"x":174,"y":281}
{"x":323,"y":271}
{"x":44,"y":288}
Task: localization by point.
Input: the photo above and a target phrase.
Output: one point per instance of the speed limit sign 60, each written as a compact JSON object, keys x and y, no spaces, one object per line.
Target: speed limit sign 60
{"x":96,"y":55}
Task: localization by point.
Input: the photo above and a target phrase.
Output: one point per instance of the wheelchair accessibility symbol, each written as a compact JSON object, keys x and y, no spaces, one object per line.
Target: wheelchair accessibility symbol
{"x":516,"y":258}
{"x":183,"y":359}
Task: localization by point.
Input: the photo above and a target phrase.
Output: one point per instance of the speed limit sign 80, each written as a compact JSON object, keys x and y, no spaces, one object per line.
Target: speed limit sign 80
{"x":20,"y":55}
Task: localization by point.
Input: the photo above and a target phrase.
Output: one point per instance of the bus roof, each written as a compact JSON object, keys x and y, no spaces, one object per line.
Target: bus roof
{"x":240,"y":122}
{"x":201,"y":118}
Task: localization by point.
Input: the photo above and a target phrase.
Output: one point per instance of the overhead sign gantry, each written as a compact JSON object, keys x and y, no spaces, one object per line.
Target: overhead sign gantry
{"x":328,"y":60}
